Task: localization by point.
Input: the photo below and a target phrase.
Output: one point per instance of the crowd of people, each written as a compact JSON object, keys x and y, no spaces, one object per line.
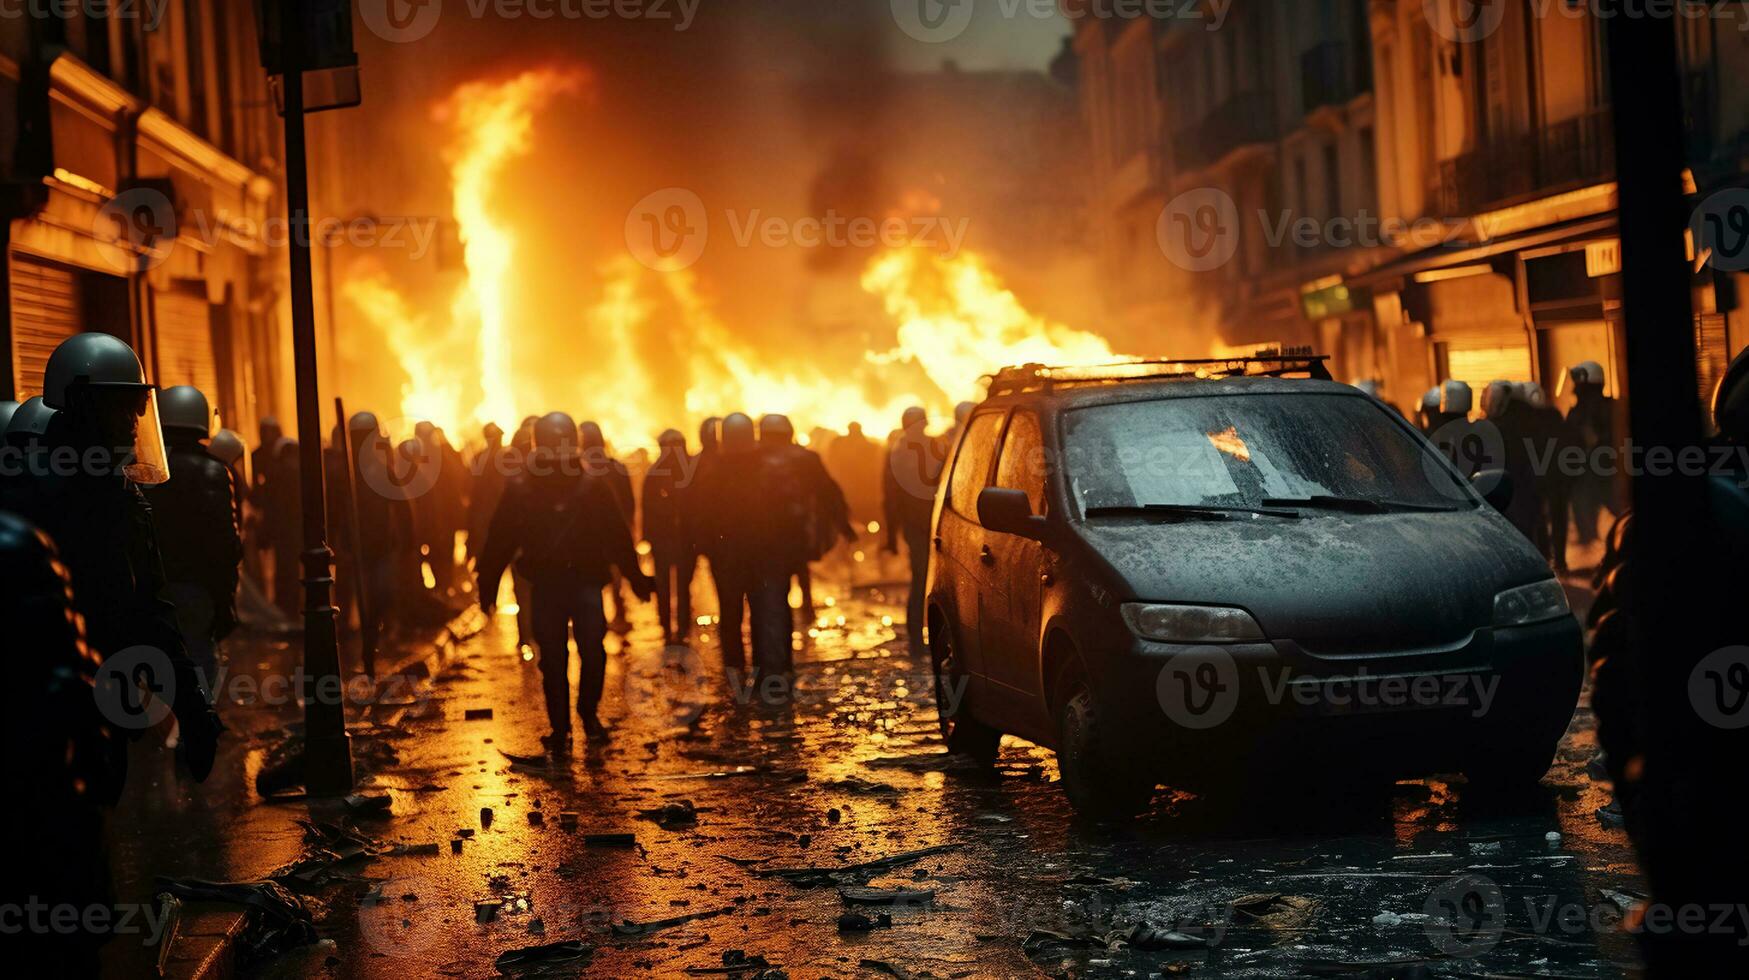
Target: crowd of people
{"x":1560,"y":485}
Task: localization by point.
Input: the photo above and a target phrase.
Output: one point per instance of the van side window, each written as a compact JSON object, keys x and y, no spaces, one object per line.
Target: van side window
{"x":1023,"y":460}
{"x":971,"y":468}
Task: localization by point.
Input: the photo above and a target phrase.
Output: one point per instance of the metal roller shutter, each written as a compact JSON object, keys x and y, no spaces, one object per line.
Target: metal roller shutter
{"x":45,"y":311}
{"x":185,"y":342}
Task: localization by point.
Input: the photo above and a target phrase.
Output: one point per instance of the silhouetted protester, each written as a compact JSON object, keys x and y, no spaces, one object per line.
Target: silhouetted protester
{"x":227,"y":447}
{"x":447,"y":511}
{"x":56,"y":763}
{"x":854,"y":460}
{"x":196,"y":519}
{"x":1429,"y":418}
{"x":814,"y":515}
{"x":599,"y":464}
{"x":1593,"y":423}
{"x":567,"y":533}
{"x":667,"y":526}
{"x":1507,"y":413}
{"x":908,"y":481}
{"x":1546,"y":432}
{"x":257,"y":530}
{"x":386,"y":534}
{"x":743,"y":510}
{"x":284,"y":513}
{"x":107,"y":415}
{"x":490,"y":471}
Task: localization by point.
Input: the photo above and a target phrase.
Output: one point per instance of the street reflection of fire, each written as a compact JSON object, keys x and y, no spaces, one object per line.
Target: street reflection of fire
{"x":950,"y":318}
{"x":1228,"y":441}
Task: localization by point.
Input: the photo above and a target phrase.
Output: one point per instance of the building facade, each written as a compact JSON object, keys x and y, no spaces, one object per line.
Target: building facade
{"x":1457,"y":174}
{"x":140,"y":174}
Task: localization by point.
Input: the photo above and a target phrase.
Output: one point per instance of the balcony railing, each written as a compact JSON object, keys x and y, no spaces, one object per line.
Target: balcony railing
{"x":1331,"y":74}
{"x":1244,"y":119}
{"x":1563,"y":154}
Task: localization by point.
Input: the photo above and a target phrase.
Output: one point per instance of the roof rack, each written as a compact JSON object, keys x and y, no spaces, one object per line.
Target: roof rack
{"x":1268,"y":363}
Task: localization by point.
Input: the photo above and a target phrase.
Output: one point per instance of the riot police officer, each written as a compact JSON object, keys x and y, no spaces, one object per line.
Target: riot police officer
{"x":742,"y":524}
{"x":196,"y":518}
{"x":55,"y":764}
{"x":566,"y":532}
{"x":909,"y":480}
{"x":601,"y":465}
{"x":1593,"y":423}
{"x":106,"y":416}
{"x":815,"y":515}
{"x":668,"y":527}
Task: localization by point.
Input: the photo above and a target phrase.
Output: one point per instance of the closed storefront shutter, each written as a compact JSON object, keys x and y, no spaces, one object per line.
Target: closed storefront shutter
{"x":45,"y":311}
{"x":1712,"y":353}
{"x":185,"y":342}
{"x":1477,"y":364}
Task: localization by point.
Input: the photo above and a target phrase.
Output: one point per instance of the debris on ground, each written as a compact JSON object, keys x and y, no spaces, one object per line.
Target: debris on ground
{"x":362,"y":805}
{"x":672,"y":815}
{"x":890,"y":969}
{"x":485,"y":817}
{"x":863,"y":787}
{"x":1152,"y":938}
{"x":477,"y":714}
{"x":564,"y":951}
{"x":328,"y":846}
{"x":735,"y":961}
{"x":854,"y":895}
{"x":413,"y":850}
{"x":630,"y":928}
{"x":1272,"y":910}
{"x":818,"y":877}
{"x":275,"y":919}
{"x":610,"y":840}
{"x":929,"y":762}
{"x":857,"y":922}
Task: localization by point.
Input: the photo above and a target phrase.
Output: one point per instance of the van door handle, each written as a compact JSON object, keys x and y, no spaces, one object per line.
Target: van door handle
{"x":985,"y":556}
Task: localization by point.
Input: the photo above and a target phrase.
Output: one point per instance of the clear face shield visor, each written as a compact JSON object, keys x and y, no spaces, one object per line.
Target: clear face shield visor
{"x":132,"y":410}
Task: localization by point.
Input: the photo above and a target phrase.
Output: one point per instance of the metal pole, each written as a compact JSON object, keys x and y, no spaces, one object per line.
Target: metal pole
{"x":328,"y":749}
{"x":1686,"y":779}
{"x":367,"y":636}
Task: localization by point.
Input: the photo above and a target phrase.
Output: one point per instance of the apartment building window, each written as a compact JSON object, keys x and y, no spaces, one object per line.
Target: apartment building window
{"x":1369,"y":169}
{"x":192,"y":21}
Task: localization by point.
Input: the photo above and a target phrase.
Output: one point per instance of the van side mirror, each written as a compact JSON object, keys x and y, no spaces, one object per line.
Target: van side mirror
{"x":1496,"y":488}
{"x":1009,"y":512}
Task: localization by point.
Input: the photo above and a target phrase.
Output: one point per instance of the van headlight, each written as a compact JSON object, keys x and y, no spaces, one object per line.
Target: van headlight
{"x":1534,"y":603}
{"x":1190,"y":624}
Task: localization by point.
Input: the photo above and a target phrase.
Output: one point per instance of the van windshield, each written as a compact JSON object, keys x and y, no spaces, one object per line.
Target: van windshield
{"x":1331,"y":452}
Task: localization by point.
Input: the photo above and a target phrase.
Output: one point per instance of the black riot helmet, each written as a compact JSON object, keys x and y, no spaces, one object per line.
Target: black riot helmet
{"x":1731,"y":400}
{"x":739,"y":436}
{"x":776,"y":430}
{"x":96,"y":381}
{"x":590,"y":436}
{"x":555,"y":432}
{"x":709,"y":435}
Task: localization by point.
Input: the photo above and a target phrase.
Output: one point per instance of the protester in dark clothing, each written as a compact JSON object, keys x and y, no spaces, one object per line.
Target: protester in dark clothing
{"x":740,"y":514}
{"x":668,"y":527}
{"x":103,"y":528}
{"x":258,"y":530}
{"x":490,"y":472}
{"x":1546,"y":433}
{"x":908,"y":482}
{"x":56,"y":763}
{"x":566,"y":532}
{"x":813,"y":511}
{"x":196,"y":519}
{"x":1593,"y":423}
{"x":854,"y":460}
{"x":385,"y":526}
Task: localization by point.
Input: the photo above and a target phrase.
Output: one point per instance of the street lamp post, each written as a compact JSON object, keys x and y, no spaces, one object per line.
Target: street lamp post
{"x":328,"y":748}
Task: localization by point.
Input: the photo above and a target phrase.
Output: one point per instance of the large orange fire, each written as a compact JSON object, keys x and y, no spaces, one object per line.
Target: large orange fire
{"x":951,"y":318}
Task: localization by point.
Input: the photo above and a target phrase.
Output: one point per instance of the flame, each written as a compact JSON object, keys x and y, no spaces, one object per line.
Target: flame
{"x":951,"y":318}
{"x":1229,"y":442}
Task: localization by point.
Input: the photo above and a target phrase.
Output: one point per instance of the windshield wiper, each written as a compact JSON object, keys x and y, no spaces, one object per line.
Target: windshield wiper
{"x":1354,"y":505}
{"x":1185,"y":510}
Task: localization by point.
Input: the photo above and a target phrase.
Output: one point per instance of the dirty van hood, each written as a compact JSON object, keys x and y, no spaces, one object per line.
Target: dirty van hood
{"x":1332,"y":583}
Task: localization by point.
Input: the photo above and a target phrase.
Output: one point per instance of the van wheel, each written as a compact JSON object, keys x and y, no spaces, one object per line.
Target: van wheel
{"x":962,"y":732}
{"x":1098,"y":780}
